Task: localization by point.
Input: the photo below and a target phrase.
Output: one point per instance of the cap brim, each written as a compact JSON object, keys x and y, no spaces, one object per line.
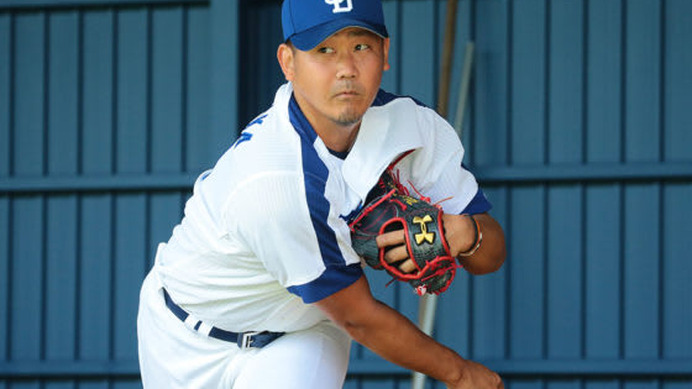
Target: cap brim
{"x":308,"y":39}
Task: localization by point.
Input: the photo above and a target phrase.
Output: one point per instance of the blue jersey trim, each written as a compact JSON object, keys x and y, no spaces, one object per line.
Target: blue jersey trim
{"x":331,"y":281}
{"x":300,"y":122}
{"x":383,"y":97}
{"x":479,"y":204}
{"x":339,"y":154}
{"x":337,"y":274}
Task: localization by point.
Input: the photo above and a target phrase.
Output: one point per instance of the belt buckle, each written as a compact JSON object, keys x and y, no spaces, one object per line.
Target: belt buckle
{"x":246,"y":339}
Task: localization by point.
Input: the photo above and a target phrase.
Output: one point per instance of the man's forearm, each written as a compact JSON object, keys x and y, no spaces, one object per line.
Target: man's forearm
{"x":460,"y":234}
{"x":396,"y":339}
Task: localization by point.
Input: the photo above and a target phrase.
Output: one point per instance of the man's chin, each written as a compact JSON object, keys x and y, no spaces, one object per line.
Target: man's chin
{"x":347,"y":121}
{"x":349,"y":118}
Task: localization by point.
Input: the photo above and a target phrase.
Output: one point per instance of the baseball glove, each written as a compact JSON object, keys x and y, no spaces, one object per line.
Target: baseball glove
{"x":394,"y":209}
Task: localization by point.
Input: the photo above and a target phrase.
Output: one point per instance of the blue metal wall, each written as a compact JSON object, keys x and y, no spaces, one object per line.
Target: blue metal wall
{"x":579,"y":127}
{"x":106,"y":118}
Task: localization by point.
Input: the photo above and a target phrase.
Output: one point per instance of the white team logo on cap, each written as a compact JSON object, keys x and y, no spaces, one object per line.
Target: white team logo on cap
{"x":338,"y":7}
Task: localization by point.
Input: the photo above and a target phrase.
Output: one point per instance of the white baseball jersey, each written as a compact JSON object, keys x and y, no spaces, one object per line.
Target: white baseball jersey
{"x":265,"y":233}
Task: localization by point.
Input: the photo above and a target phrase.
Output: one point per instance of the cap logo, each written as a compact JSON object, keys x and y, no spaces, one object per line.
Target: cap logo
{"x":338,"y":7}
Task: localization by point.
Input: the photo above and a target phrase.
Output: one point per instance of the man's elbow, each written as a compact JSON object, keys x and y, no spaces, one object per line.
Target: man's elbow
{"x":490,"y":264}
{"x":351,"y":308}
{"x":490,"y":258}
{"x":357,"y":325}
{"x":493,"y":251}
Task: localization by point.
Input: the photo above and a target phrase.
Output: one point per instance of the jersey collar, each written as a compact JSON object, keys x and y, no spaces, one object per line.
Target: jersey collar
{"x":389,"y":128}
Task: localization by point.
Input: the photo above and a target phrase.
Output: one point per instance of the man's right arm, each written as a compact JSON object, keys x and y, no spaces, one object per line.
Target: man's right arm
{"x":395,"y":338}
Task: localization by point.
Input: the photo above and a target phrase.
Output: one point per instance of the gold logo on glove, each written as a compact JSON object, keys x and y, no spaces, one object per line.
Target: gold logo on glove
{"x":424,"y":234}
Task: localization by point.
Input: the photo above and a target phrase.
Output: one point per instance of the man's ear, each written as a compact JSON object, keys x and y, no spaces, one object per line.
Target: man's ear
{"x":386,"y":54}
{"x":286,"y":60}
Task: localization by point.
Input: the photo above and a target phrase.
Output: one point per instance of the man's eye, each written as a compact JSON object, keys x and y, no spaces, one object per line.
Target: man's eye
{"x":325,"y":50}
{"x":362,"y":46}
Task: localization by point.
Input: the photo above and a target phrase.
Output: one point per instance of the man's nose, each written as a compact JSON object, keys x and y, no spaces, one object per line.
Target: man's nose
{"x":347,"y":66}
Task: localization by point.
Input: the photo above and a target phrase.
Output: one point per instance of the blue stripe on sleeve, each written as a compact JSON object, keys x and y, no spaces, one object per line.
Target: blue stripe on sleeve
{"x":330,"y":282}
{"x":383,"y":97}
{"x":337,"y":274}
{"x":479,"y":204}
{"x":319,"y":212}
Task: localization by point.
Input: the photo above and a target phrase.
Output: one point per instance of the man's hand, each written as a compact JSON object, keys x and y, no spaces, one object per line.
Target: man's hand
{"x":477,"y":376}
{"x":397,"y":253}
{"x":459,"y":233}
{"x":428,"y":265}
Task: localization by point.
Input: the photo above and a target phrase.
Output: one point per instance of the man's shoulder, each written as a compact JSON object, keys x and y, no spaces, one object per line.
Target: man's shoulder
{"x":266,"y":130}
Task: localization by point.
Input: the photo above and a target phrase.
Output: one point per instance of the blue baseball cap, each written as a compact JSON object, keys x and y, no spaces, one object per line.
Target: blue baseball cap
{"x":308,"y":22}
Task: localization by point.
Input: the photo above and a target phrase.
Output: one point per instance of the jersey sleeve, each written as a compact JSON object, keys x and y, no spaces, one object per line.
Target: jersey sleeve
{"x":285,"y":222}
{"x":436,"y":171}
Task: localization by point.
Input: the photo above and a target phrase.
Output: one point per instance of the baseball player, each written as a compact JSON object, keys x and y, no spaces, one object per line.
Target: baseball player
{"x":259,"y":286}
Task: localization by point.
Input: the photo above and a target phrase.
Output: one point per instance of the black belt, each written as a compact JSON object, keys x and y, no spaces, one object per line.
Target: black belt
{"x":244,"y":340}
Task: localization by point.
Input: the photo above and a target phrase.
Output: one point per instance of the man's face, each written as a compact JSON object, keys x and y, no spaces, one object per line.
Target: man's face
{"x":336,"y":82}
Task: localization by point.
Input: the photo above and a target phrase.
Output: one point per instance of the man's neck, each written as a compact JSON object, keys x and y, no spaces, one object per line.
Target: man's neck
{"x":338,"y":138}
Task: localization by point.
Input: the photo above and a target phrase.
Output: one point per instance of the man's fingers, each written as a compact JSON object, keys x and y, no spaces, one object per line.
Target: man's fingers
{"x":408,"y":266}
{"x":394,"y":238}
{"x":395,"y":242}
{"x":395,"y":254}
{"x":398,"y":256}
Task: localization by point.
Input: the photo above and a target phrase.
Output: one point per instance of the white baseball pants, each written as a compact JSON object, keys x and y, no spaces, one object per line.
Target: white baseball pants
{"x":172,"y":355}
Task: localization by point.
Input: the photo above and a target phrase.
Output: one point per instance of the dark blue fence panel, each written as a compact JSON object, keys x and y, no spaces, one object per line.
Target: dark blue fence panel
{"x":676,"y":272}
{"x":677,"y":81}
{"x":642,"y":92}
{"x":200,"y":151}
{"x":492,"y":77}
{"x":565,"y":91}
{"x":260,"y":71}
{"x":132,"y":91}
{"x":527,"y":281}
{"x":604,"y":73}
{"x":603,"y":272}
{"x":63,"y":124}
{"x":529,"y":75}
{"x":564,"y":272}
{"x":5,"y":276}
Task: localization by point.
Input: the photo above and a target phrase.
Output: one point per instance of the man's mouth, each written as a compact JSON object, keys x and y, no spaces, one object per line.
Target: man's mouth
{"x":347,"y":93}
{"x":347,"y":90}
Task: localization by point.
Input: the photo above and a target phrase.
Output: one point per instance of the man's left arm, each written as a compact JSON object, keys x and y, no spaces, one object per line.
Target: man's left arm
{"x":463,"y":234}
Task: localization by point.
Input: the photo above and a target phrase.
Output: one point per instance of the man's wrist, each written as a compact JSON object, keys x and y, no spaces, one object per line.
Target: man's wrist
{"x":458,"y":374}
{"x":477,"y":236}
